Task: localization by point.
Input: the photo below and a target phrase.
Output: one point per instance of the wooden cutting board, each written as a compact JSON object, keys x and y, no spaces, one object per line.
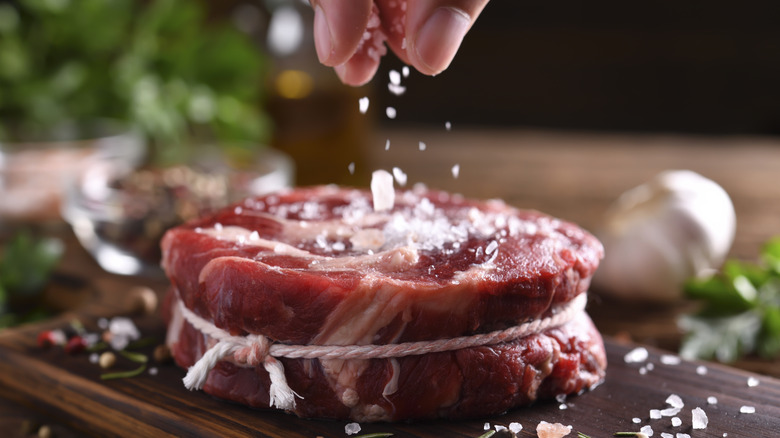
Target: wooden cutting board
{"x":68,"y":389}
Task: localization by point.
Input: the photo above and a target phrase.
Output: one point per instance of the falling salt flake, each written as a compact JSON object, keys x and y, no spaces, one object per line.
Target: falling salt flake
{"x":363,"y":105}
{"x":395,"y":77}
{"x":670,"y":359}
{"x":647,"y":430}
{"x":390,"y":111}
{"x":447,"y":125}
{"x":405,"y":71}
{"x":351,"y":168}
{"x":676,"y":422}
{"x":747,"y":410}
{"x":752,"y":381}
{"x":636,"y":420}
{"x":422,"y":146}
{"x":699,"y":419}
{"x":675,"y":401}
{"x":701,"y":370}
{"x":455,"y":170}
{"x":382,"y":190}
{"x":94,"y":358}
{"x":548,"y":430}
{"x":712,"y":400}
{"x":486,"y":426}
{"x":515,"y":427}
{"x":351,"y":428}
{"x":400,"y":176}
{"x":387,"y":145}
{"x":655,"y":414}
{"x":666,"y":435}
{"x":396,"y":89}
{"x":636,"y":355}
{"x":238,"y":210}
{"x":153,"y":371}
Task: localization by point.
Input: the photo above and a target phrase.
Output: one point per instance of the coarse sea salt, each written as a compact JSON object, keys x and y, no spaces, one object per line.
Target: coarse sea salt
{"x":636,"y":420}
{"x":675,"y":401}
{"x":647,"y":430}
{"x":395,"y":77}
{"x":712,"y":400}
{"x":655,"y":414}
{"x":382,"y":190}
{"x":747,"y":410}
{"x":666,"y":435}
{"x":499,"y":428}
{"x":486,"y":426}
{"x":351,"y":428}
{"x":363,"y":105}
{"x":676,"y":422}
{"x":550,"y":430}
{"x":752,"y":382}
{"x":391,"y":113}
{"x":699,"y":419}
{"x":670,"y":359}
{"x":515,"y":427}
{"x":456,"y":171}
{"x":701,"y":370}
{"x":405,"y":71}
{"x":636,"y":355}
{"x":400,"y":176}
{"x":682,"y":435}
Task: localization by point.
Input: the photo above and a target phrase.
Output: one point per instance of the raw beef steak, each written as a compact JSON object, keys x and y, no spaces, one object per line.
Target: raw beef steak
{"x":319,"y":266}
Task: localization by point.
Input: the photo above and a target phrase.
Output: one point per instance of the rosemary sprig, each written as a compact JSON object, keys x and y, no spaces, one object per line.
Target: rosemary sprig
{"x":124,"y":374}
{"x":487,"y":434}
{"x":135,"y":357}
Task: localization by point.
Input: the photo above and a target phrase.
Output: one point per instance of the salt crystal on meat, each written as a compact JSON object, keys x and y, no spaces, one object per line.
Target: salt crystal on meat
{"x":382,"y":190}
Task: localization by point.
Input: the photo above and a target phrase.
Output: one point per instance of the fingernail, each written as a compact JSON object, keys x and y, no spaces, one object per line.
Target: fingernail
{"x":341,"y":71}
{"x":322,"y":40}
{"x":440,"y":36}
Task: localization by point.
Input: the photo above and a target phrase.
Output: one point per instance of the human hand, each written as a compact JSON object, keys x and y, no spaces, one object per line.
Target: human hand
{"x":425,"y":34}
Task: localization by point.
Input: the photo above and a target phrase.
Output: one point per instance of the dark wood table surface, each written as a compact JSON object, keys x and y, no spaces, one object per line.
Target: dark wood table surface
{"x":574,"y":176}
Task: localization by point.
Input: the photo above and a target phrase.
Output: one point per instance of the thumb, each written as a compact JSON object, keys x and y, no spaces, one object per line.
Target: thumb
{"x":435,"y":30}
{"x":338,"y":28}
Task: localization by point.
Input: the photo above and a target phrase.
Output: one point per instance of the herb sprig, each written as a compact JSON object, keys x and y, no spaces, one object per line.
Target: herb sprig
{"x":741,"y":312}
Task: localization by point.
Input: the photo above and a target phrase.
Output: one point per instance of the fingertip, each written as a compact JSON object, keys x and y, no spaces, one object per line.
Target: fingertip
{"x":338,"y":28}
{"x":358,"y":71}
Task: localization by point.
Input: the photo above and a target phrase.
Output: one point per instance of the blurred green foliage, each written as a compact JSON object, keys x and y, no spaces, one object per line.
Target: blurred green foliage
{"x":159,"y":64}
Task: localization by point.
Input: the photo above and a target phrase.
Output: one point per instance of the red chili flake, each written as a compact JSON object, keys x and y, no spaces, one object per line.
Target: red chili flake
{"x":49,"y":338}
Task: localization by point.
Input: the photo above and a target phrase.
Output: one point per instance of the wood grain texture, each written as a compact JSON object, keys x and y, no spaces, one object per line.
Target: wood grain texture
{"x":68,"y":389}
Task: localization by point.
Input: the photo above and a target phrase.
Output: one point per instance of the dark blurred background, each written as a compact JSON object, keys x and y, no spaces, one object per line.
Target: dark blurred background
{"x":693,"y":66}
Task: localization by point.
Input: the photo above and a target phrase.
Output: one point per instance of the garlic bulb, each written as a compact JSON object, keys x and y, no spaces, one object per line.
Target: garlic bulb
{"x":659,"y":234}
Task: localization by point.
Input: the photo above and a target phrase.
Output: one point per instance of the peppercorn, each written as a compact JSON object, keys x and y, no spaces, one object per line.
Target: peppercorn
{"x":162,"y":354}
{"x":107,"y":360}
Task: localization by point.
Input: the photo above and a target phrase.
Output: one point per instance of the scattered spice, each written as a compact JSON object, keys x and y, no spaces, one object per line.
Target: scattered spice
{"x":107,"y":360}
{"x":162,"y":354}
{"x":44,"y":432}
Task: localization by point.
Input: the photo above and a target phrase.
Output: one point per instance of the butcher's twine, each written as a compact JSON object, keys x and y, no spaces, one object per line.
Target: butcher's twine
{"x":253,"y":350}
